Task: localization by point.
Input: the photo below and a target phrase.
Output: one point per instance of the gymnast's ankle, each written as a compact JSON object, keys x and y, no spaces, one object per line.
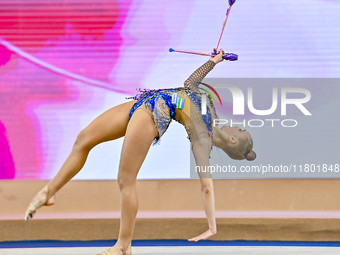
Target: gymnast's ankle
{"x":125,"y":247}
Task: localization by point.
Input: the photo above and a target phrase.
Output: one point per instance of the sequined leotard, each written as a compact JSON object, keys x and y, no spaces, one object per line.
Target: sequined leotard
{"x":159,"y":104}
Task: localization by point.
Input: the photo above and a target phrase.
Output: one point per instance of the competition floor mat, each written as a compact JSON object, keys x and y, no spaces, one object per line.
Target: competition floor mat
{"x":171,"y":247}
{"x":153,"y":250}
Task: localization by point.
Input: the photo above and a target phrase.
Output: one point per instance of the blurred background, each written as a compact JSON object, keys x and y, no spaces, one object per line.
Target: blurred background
{"x":64,"y":62}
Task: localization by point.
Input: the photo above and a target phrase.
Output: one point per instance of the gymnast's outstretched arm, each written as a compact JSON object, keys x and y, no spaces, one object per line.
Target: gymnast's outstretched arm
{"x":201,"y":150}
{"x":196,"y":77}
{"x":201,"y":146}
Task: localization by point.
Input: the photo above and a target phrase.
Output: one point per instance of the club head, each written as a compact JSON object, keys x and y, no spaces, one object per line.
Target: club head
{"x":231,"y":2}
{"x":230,"y":57}
{"x":171,"y":50}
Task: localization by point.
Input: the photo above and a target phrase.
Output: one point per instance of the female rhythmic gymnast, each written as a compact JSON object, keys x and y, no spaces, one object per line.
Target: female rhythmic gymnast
{"x":142,"y":121}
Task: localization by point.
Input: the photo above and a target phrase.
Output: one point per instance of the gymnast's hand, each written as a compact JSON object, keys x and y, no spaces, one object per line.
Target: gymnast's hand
{"x":219,"y":57}
{"x":204,"y":236}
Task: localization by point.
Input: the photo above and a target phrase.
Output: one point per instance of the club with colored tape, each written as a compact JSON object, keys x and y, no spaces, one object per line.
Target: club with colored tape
{"x":227,"y":56}
{"x":231,"y":2}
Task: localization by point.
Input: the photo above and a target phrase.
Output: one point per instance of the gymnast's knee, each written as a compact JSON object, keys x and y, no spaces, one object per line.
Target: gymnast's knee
{"x":83,"y":141}
{"x":126,"y":183}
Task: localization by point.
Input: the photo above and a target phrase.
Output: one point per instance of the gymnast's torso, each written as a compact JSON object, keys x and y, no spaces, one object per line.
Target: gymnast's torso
{"x":182,"y":104}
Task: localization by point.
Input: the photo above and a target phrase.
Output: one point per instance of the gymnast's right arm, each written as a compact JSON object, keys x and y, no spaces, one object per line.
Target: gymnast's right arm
{"x":201,"y":150}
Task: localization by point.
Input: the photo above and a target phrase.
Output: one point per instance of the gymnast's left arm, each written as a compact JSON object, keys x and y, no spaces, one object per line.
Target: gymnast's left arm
{"x":196,"y":77}
{"x":201,"y":150}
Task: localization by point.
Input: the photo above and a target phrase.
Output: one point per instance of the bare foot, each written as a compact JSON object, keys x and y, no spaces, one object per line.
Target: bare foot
{"x":38,"y":201}
{"x":116,"y":250}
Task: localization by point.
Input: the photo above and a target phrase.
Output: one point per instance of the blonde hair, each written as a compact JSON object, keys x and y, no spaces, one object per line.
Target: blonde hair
{"x":241,"y":150}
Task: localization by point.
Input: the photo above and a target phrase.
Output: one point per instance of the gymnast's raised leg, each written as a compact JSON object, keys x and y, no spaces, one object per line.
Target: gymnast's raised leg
{"x":108,"y":126}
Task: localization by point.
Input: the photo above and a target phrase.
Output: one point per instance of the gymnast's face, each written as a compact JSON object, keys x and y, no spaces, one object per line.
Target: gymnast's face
{"x":235,"y":133}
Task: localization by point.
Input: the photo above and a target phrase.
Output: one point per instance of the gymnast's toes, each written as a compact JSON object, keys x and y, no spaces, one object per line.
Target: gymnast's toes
{"x":116,"y":251}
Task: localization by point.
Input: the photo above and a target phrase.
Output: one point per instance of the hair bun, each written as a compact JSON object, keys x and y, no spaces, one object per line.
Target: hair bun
{"x":251,"y":156}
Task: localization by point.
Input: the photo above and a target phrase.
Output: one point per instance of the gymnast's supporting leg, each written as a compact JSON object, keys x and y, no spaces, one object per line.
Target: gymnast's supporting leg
{"x":108,"y":126}
{"x":140,"y":133}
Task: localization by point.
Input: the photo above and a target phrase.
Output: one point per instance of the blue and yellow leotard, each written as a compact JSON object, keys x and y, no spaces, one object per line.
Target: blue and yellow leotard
{"x":159,"y":104}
